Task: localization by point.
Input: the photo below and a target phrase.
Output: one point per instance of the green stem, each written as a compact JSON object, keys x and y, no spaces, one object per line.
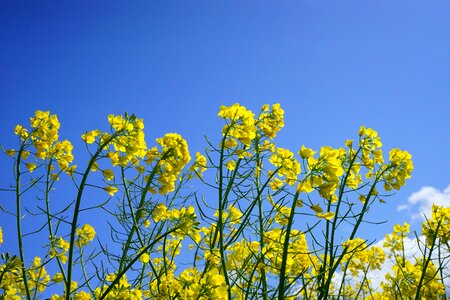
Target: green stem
{"x":329,"y":243}
{"x":77,"y":209}
{"x":281,"y":285}
{"x":141,"y":204}
{"x":134,"y":260}
{"x":19,"y":222}
{"x":324,"y":292}
{"x":426,"y":262}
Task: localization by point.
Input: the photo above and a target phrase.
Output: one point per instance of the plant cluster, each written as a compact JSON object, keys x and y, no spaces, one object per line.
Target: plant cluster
{"x":270,"y":224}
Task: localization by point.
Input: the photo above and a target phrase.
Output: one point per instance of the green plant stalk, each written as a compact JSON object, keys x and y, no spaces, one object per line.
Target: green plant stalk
{"x":77,"y":209}
{"x":220,"y":220}
{"x":130,"y":204}
{"x":85,"y":275}
{"x":426,"y":262}
{"x":135,"y":259}
{"x":141,"y":204}
{"x":281,"y":285}
{"x":324,"y":293}
{"x":250,"y":209}
{"x":48,"y":187}
{"x":18,"y":221}
{"x":261,"y":225}
{"x":329,"y":243}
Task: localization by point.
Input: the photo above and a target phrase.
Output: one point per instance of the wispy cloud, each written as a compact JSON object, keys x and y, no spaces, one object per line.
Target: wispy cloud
{"x":420,"y":203}
{"x":413,"y":249}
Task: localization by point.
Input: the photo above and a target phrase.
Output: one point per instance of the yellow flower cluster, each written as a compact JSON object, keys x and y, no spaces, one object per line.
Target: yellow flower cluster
{"x":241,"y":256}
{"x":130,"y":141}
{"x":326,"y":171}
{"x":297,"y":260}
{"x":270,"y":121}
{"x":247,"y":247}
{"x":11,"y":278}
{"x":240,"y":123}
{"x":173,"y":157}
{"x":199,"y":165}
{"x":45,"y":129}
{"x":85,"y":235}
{"x":401,"y":169}
{"x":44,"y":137}
{"x":438,"y":227}
{"x":59,"y":249}
{"x":190,"y":284}
{"x":185,"y":218}
{"x":405,"y":279}
{"x":395,"y":240}
{"x":11,"y":282}
{"x":38,"y":276}
{"x":230,"y":217}
{"x":127,"y":139}
{"x":361,"y":258}
{"x":287,"y":167}
{"x":122,"y":290}
{"x":370,"y":143}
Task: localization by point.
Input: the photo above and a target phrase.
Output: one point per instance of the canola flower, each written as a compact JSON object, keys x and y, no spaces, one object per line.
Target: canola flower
{"x":272,"y":231}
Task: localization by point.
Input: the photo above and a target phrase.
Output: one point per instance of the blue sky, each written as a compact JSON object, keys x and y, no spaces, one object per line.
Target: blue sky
{"x":333,"y":66}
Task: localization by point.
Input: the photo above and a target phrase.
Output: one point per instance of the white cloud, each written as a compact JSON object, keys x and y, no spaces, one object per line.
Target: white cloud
{"x":412,"y":251}
{"x":420,"y":203}
{"x":418,"y":206}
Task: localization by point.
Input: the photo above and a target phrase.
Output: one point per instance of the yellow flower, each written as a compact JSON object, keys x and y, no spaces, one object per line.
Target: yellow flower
{"x":306,"y":152}
{"x":270,"y":122}
{"x":305,"y":187}
{"x":21,"y":131}
{"x":30,"y":166}
{"x":70,"y":170}
{"x":276,"y":183}
{"x":58,"y":277}
{"x":316,"y":208}
{"x":144,"y":258}
{"x":1,"y":236}
{"x":25,"y":154}
{"x":94,"y":167}
{"x":231,"y":165}
{"x":82,"y":296}
{"x":200,"y":164}
{"x":10,"y":152}
{"x":89,"y":137}
{"x":241,"y":123}
{"x":110,"y":189}
{"x":110,"y":277}
{"x":176,"y":155}
{"x":108,"y":174}
{"x":85,"y":235}
{"x":328,"y":215}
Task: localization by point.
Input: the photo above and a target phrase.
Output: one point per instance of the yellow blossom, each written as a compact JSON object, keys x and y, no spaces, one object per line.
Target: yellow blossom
{"x":108,"y":174}
{"x":30,"y":166}
{"x":144,"y":258}
{"x":111,"y":190}
{"x":231,"y":165}
{"x":85,"y":235}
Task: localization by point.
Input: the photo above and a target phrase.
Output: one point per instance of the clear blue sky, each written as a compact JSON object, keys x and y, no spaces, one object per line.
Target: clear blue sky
{"x":333,"y":66}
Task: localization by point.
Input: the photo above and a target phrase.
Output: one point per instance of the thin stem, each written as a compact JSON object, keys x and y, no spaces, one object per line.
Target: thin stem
{"x":77,"y":209}
{"x":19,"y":222}
{"x":281,"y":285}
